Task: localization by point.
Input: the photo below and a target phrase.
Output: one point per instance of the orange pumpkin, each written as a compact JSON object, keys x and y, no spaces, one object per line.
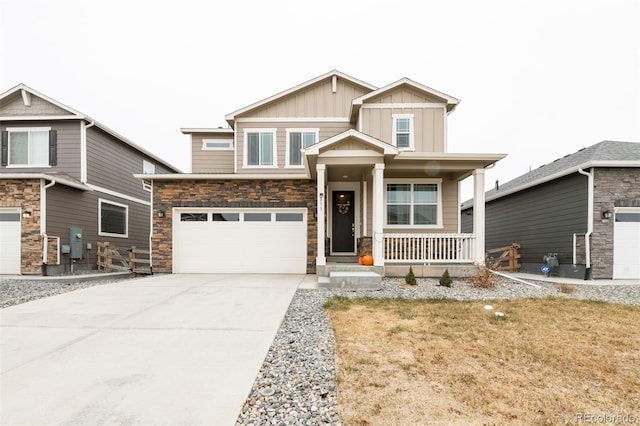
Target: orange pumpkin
{"x":367,"y":260}
{"x":360,"y":260}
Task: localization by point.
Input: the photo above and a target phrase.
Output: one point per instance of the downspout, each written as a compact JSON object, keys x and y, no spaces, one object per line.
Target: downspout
{"x":587,"y":236}
{"x":83,"y":150}
{"x":43,"y":224}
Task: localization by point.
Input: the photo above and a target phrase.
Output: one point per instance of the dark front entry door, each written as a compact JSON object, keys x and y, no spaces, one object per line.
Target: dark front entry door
{"x":343,"y":222}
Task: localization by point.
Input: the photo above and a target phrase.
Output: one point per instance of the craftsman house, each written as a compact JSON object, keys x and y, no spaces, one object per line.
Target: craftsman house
{"x":582,"y":210}
{"x":321,"y":172}
{"x":66,"y":182}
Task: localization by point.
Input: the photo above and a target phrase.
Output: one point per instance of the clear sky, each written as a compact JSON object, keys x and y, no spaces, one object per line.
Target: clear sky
{"x":538,"y":79}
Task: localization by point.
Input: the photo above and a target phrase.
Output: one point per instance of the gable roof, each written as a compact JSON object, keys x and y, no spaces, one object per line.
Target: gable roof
{"x":386,"y":148}
{"x":231,"y":116}
{"x":449,"y":100}
{"x":73,"y":114}
{"x":602,"y":154}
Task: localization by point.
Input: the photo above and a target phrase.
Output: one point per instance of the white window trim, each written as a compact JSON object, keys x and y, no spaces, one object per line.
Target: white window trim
{"x":148,"y":168}
{"x":245,"y":152}
{"x":438,"y":225}
{"x":147,"y":185}
{"x":288,"y":145}
{"x":109,"y":234}
{"x":25,"y":129}
{"x":395,"y":117}
{"x":229,"y":147}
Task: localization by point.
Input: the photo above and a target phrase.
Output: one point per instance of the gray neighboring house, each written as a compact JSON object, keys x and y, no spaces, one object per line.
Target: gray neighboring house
{"x":585,"y":207}
{"x":65,"y":176}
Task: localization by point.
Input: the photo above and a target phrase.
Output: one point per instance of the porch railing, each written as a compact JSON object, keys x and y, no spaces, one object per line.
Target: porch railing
{"x":429,"y":248}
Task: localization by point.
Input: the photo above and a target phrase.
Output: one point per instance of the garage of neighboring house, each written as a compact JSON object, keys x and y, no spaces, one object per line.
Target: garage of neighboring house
{"x":227,"y":240}
{"x":626,"y":243}
{"x":10,"y":238}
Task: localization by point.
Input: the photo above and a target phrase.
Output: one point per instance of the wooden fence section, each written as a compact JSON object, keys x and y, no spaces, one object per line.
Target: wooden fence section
{"x":507,"y":260}
{"x":112,"y":258}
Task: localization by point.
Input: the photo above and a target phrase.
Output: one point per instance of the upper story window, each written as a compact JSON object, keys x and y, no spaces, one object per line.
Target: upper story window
{"x":403,"y":131}
{"x":30,"y":147}
{"x":217,"y":144}
{"x":260,"y":148}
{"x":148,"y":168}
{"x":415,"y":203}
{"x":298,"y":139}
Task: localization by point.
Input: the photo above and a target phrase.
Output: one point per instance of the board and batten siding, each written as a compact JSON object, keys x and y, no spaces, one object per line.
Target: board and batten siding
{"x":111,"y":164}
{"x":317,"y":100}
{"x":542,"y":219}
{"x":428,"y":126}
{"x":326,"y":130}
{"x":210,"y":160}
{"x":68,"y":147}
{"x":69,"y":207}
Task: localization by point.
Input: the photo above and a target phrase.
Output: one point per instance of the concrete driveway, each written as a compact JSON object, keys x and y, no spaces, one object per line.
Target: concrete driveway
{"x":163,"y":350}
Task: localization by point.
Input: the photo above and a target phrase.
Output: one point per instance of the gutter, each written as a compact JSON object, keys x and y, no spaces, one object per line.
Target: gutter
{"x":587,"y":236}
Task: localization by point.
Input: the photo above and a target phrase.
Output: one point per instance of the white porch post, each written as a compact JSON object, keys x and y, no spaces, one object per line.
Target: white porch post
{"x":378,"y":215}
{"x":321,"y":260}
{"x":478,"y":215}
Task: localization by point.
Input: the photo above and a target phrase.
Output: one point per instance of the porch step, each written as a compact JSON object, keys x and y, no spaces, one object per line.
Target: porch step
{"x":354,"y":280}
{"x":342,"y":259}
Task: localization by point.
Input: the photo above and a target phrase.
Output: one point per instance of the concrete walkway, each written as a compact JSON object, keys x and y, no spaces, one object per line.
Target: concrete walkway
{"x":163,"y":350}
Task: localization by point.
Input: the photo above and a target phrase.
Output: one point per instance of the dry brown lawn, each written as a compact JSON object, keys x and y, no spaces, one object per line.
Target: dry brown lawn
{"x":431,"y":362}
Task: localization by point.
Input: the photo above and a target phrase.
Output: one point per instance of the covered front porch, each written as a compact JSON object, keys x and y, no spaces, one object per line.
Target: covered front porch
{"x":400,"y":207}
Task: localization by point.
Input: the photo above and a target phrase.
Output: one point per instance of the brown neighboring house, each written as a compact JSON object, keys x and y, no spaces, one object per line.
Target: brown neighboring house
{"x":64,"y":177}
{"x":326,"y":170}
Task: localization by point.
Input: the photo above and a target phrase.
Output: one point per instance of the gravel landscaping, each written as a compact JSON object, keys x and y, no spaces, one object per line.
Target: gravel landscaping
{"x":296,"y":383}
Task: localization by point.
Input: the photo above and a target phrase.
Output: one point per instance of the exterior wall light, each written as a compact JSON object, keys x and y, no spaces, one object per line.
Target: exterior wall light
{"x":606,"y":214}
{"x":27,"y":213}
{"x":161,"y":213}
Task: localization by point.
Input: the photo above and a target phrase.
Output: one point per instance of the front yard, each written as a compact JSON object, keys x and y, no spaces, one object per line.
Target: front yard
{"x":546,"y":361}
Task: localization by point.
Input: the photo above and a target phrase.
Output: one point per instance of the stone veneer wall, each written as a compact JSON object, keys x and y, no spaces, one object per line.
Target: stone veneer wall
{"x":228,"y":193}
{"x":614,"y":187}
{"x":25,"y":194}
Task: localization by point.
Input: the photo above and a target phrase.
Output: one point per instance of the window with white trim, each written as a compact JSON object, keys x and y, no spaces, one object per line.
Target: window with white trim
{"x":298,"y":139}
{"x":148,"y":168}
{"x":413,"y":203}
{"x":260,"y":148}
{"x":217,"y":144}
{"x":403,"y":131}
{"x":28,"y":146}
{"x":113,"y":219}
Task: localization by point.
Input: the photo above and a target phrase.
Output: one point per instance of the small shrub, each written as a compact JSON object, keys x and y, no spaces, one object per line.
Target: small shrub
{"x":445,"y":279}
{"x":566,"y":288}
{"x":410,"y":278}
{"x":483,"y":277}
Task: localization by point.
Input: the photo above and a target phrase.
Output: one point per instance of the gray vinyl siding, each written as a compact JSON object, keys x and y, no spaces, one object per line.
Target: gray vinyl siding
{"x":67,"y":207}
{"x":541,"y":219}
{"x":68,"y":146}
{"x":111,"y":164}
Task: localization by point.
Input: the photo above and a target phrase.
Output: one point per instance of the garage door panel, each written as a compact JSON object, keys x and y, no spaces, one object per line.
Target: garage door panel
{"x":626,"y":244}
{"x":10,"y":238}
{"x":253,"y":246}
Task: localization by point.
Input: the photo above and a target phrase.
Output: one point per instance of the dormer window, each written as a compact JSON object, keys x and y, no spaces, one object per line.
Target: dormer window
{"x":403,"y":131}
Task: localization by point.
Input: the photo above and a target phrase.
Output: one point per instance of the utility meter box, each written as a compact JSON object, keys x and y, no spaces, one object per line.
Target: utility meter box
{"x":75,"y":241}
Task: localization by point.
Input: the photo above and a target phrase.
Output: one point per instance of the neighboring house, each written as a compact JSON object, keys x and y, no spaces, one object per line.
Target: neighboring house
{"x":585,"y":207}
{"x":331,"y":167}
{"x":66,"y":181}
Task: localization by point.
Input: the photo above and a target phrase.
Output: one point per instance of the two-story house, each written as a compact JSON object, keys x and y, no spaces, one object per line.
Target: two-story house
{"x":323,"y":171}
{"x":66,"y":183}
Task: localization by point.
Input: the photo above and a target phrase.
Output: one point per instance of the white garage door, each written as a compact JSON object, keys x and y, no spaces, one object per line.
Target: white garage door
{"x":626,"y":243}
{"x":239,"y":241}
{"x":10,"y":235}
